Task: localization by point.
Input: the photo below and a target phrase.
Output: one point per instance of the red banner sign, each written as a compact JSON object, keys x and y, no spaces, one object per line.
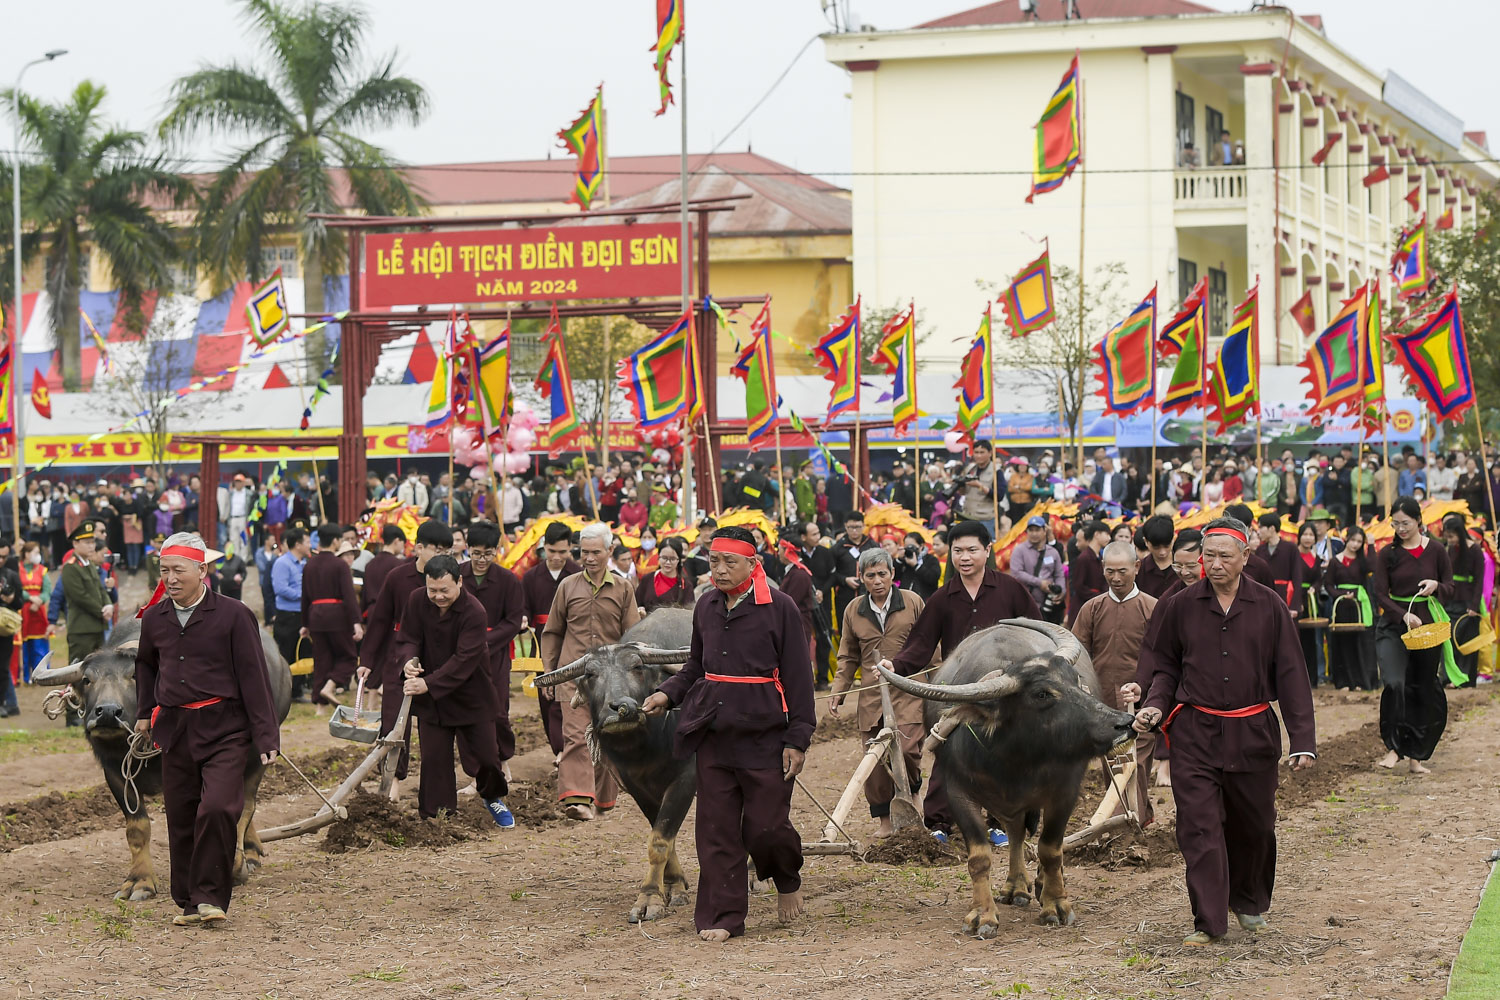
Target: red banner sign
{"x":499,"y":265}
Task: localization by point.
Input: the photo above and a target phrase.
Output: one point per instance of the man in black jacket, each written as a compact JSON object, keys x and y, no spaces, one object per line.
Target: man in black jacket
{"x":917,"y":570}
{"x":821,"y":564}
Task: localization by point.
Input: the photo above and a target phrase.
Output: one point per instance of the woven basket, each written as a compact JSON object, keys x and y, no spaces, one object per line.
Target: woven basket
{"x":1484,"y":637}
{"x":526,"y":660}
{"x":302,"y":665}
{"x":10,"y":622}
{"x":1345,"y":626}
{"x":1427,"y":636}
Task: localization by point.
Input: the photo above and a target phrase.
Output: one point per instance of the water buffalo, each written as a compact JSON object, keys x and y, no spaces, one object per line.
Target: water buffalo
{"x":105,"y":683}
{"x":1028,"y":723}
{"x":612,"y":681}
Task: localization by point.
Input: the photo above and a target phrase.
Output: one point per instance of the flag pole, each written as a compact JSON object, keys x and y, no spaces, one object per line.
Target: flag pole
{"x":1083,"y":187}
{"x":688,"y":505}
{"x":1489,"y":492}
{"x":301,"y":394}
{"x":780,"y":468}
{"x":608,"y":389}
{"x":1362,"y":348}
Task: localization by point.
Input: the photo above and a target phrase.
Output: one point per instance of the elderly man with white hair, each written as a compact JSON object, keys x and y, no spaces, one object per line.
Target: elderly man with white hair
{"x":590,"y":609}
{"x":202,"y":692}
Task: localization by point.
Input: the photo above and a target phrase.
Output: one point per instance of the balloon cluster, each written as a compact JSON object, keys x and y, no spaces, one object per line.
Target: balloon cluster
{"x":665,"y":442}
{"x":519,"y":437}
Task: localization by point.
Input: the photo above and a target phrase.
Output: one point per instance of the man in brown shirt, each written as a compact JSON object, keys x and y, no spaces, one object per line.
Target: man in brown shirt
{"x":331,"y":619}
{"x":590,"y":609}
{"x":1111,"y":628}
{"x":875,"y":628}
{"x":1217,"y":654}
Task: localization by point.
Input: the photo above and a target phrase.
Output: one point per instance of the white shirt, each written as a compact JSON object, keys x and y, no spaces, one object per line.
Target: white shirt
{"x":1134,"y":592}
{"x":884,"y":609}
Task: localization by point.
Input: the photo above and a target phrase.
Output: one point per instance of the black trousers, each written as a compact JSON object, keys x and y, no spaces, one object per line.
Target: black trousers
{"x":284,"y":629}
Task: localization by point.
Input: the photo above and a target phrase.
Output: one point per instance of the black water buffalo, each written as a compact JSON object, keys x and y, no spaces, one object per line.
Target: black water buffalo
{"x":612,"y":681}
{"x":1028,"y":723}
{"x":105,"y":683}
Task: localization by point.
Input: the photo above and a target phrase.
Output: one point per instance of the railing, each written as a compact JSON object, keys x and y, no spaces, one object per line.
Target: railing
{"x":1210,"y":187}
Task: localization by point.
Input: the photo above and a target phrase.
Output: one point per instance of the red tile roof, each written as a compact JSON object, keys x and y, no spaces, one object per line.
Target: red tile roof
{"x":775,"y":206}
{"x":1479,"y":139}
{"x":1009,"y":11}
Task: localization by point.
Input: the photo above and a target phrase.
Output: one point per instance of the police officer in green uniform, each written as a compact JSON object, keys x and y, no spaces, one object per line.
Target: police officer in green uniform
{"x":88,"y":602}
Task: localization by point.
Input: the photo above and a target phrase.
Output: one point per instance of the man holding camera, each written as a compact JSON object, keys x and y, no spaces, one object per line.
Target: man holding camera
{"x":917,"y":571}
{"x":978,"y":481}
{"x":1039,"y":565}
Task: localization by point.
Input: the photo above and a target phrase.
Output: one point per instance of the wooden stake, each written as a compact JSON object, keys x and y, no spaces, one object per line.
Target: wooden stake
{"x":854,"y":463}
{"x":886,"y":738}
{"x":903,"y":810}
{"x":604,"y":404}
{"x":780,"y":469}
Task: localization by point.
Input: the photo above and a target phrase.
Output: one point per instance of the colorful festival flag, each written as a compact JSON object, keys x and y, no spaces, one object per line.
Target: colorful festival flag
{"x":1303,"y":315}
{"x":7,"y":386}
{"x":1127,"y":361}
{"x":440,"y":398}
{"x":585,"y":140}
{"x":697,"y":400}
{"x":1414,"y":198}
{"x":897,"y":351}
{"x":976,"y":380}
{"x":655,"y":378}
{"x":106,"y":366}
{"x":492,"y":382}
{"x":1057,"y":136}
{"x":41,"y":394}
{"x":1186,"y":335}
{"x":1373,"y":361}
{"x":838,"y":353}
{"x":555,"y":384}
{"x":1234,"y":378}
{"x":1435,"y":357}
{"x":1028,"y":301}
{"x":756,"y":365}
{"x":668,"y":34}
{"x":266,"y":311}
{"x":1333,"y":361}
{"x":319,"y":392}
{"x":1410,"y":265}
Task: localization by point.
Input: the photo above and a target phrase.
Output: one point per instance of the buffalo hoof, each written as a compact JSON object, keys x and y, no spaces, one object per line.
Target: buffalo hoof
{"x":679,"y":896}
{"x":982,"y":925}
{"x":647,"y":908}
{"x":137,"y":889}
{"x":1020,"y":898}
{"x":1057,"y":913}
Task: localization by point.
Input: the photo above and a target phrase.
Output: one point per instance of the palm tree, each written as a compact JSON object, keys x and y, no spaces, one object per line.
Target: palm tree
{"x":93,"y":185}
{"x":298,"y":121}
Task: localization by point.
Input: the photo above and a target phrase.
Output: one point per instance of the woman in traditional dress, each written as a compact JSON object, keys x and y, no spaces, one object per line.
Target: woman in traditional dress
{"x":669,"y":585}
{"x":1467,"y":561}
{"x":1412,"y":580}
{"x":1351,"y":654}
{"x":1312,"y":587}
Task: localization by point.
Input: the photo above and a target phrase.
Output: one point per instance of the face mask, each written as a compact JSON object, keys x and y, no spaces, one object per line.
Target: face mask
{"x":648,"y":544}
{"x":162,"y":506}
{"x":34,"y":558}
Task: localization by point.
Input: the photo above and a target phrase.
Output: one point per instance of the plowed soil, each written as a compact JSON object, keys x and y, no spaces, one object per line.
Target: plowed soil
{"x":1378,"y":875}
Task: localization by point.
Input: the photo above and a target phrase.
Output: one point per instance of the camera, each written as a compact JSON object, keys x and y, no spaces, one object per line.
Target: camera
{"x":912,"y":551}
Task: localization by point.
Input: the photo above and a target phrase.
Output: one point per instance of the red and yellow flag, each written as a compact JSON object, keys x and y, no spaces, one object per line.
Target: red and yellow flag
{"x":1058,"y":136}
{"x":668,"y":34}
{"x":41,"y":394}
{"x":585,"y":140}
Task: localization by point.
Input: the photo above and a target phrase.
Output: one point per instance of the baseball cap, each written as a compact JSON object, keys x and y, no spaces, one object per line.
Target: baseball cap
{"x":1036,"y":521}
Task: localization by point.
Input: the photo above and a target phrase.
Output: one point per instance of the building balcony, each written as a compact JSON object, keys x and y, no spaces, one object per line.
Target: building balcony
{"x":1209,"y":196}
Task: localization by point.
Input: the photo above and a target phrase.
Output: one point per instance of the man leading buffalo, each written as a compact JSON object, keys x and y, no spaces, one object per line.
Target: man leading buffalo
{"x":746,"y":693}
{"x":203,"y":695}
{"x":1216,"y":655}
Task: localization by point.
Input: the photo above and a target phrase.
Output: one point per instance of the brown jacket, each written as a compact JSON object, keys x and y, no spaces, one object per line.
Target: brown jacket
{"x":582,"y":618}
{"x":865,"y":644}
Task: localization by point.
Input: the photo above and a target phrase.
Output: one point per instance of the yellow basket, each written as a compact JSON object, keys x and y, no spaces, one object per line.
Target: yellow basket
{"x":1484,"y":637}
{"x":302,"y":665}
{"x":526,"y":660}
{"x":1427,"y":636}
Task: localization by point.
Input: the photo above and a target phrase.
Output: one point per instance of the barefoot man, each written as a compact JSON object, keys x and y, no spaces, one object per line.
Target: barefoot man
{"x":746,"y":693}
{"x":875,"y":629}
{"x":1216,"y":655}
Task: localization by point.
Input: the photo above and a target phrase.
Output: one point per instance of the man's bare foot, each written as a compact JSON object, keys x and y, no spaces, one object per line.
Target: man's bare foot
{"x":789,"y":906}
{"x":1389,"y":760}
{"x":884,"y":828}
{"x":1415,"y":767}
{"x":1164,"y":775}
{"x":718,"y":935}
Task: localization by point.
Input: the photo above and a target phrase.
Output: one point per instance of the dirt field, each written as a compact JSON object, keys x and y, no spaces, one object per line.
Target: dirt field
{"x":1378,"y":879}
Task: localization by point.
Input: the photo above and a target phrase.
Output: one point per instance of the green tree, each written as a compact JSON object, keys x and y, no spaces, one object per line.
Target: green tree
{"x":872,"y":326}
{"x":92,"y":185}
{"x":300,"y":154}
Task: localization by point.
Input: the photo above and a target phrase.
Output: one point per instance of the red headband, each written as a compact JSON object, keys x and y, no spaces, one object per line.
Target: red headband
{"x":1234,"y":533}
{"x":186,"y":552}
{"x":757,"y":577}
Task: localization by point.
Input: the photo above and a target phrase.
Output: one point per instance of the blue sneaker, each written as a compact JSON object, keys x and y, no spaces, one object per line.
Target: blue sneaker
{"x":939,"y":836}
{"x":501,"y":813}
{"x":998,"y":838}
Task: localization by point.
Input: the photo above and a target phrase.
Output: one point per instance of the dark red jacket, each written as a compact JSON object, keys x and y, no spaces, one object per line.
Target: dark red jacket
{"x":504,"y":604}
{"x":385,"y":617}
{"x":679,"y":595}
{"x":540,"y":588}
{"x":951,"y":615}
{"x":376,"y":570}
{"x":328,"y":601}
{"x":217,"y":654}
{"x":455,"y":662}
{"x":1085,"y":581}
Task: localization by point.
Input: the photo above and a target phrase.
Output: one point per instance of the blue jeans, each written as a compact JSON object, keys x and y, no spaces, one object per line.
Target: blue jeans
{"x":33,"y":652}
{"x":132,"y":556}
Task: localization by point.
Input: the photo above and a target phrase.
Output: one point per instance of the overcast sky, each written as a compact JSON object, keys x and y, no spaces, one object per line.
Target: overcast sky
{"x":505,"y":75}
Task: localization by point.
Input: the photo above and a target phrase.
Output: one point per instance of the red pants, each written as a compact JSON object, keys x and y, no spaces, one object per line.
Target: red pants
{"x":203,"y":795}
{"x":741,"y":811}
{"x":334,"y":659}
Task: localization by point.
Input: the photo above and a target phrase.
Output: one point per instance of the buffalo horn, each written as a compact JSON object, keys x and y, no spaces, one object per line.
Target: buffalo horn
{"x":70,"y":674}
{"x":562,"y":675}
{"x":990,"y":687}
{"x":653,"y":654}
{"x":1068,"y":645}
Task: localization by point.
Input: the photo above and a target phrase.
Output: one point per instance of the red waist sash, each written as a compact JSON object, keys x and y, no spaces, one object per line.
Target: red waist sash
{"x":1232,"y":713}
{"x":329,"y":600}
{"x":192,"y":704}
{"x":775,"y":678}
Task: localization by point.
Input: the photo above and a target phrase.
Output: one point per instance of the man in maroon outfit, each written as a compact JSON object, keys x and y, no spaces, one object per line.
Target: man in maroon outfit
{"x":330,"y":618}
{"x":392,"y":549}
{"x":203,"y":695}
{"x":1086,"y":574}
{"x":975,"y":596}
{"x":1285,"y":564}
{"x":447,"y":671}
{"x":499,"y":591}
{"x":1217,"y":654}
{"x":746,"y":693}
{"x":539,"y":586}
{"x":377,"y":654}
